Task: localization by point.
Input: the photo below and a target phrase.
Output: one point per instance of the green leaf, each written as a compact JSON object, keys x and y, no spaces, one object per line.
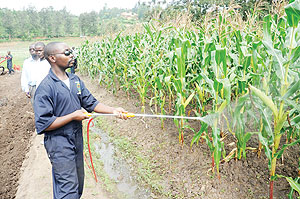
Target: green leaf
{"x":267,"y":101}
{"x":293,"y":184}
{"x":217,"y":85}
{"x":247,"y":137}
{"x":222,"y":107}
{"x":295,"y":120}
{"x":280,"y":152}
{"x":209,"y":82}
{"x":247,"y":62}
{"x":197,"y":136}
{"x":209,"y":47}
{"x":296,"y":54}
{"x":267,"y":124}
{"x":292,"y":11}
{"x":209,"y":144}
{"x":227,"y":89}
{"x":293,"y":104}
{"x":220,"y":57}
{"x":264,"y":142}
{"x":217,"y":147}
{"x":267,"y":28}
{"x":292,"y":90}
{"x":277,"y":55}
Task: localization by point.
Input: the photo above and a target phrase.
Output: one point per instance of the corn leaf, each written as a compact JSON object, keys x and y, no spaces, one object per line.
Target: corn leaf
{"x":198,"y":135}
{"x":267,"y":28}
{"x":295,"y":120}
{"x":227,"y":88}
{"x":296,"y":54}
{"x":277,"y":55}
{"x":293,"y":183}
{"x":292,"y":90}
{"x":279,"y":153}
{"x":292,"y":11}
{"x":222,"y":107}
{"x":217,"y":146}
{"x":188,"y":100}
{"x":264,"y":142}
{"x":220,"y":57}
{"x":266,"y":100}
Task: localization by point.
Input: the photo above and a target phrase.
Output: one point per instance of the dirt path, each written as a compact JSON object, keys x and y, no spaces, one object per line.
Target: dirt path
{"x":37,"y":168}
{"x":16,"y":129}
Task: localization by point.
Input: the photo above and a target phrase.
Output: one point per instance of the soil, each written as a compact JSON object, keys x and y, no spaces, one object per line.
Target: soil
{"x":16,"y":129}
{"x":185,"y":170}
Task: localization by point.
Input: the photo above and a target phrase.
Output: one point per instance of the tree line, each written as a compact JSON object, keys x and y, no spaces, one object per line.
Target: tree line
{"x":30,"y":23}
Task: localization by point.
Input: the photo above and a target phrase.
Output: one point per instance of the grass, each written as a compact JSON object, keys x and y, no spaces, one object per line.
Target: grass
{"x":19,"y":49}
{"x":144,"y":168}
{"x":106,"y":183}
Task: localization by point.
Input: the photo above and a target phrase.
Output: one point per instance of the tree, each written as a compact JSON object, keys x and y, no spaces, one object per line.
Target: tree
{"x":199,"y":8}
{"x":8,"y":22}
{"x":141,"y":9}
{"x":89,"y":23}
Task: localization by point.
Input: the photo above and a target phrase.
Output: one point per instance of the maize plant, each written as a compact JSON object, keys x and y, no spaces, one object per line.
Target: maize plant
{"x":181,"y":84}
{"x":283,"y":61}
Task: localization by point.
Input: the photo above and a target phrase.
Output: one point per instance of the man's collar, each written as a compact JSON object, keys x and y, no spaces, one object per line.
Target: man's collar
{"x":55,"y":78}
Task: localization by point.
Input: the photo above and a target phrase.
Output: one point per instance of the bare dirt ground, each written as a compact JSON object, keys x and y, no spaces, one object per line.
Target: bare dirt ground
{"x":184,"y":170}
{"x":16,"y":129}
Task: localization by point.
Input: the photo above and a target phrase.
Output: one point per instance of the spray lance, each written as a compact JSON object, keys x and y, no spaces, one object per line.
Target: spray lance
{"x":207,"y":119}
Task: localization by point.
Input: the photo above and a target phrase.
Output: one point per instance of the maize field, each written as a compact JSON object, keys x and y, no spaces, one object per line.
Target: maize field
{"x":241,"y":76}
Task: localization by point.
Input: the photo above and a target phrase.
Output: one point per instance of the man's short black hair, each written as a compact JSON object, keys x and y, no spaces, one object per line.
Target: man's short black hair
{"x":50,"y":49}
{"x":39,"y":44}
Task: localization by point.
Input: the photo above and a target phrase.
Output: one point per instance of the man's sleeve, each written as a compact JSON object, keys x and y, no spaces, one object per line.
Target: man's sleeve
{"x":43,"y":109}
{"x":88,"y":101}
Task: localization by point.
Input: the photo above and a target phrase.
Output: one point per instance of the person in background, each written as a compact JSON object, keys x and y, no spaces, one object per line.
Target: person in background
{"x":75,"y":60}
{"x":35,"y":69}
{"x":42,"y":66}
{"x":58,"y":104}
{"x":27,"y":83}
{"x":9,"y":58}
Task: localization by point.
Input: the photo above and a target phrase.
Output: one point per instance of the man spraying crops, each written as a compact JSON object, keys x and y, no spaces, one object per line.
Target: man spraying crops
{"x":58,"y":115}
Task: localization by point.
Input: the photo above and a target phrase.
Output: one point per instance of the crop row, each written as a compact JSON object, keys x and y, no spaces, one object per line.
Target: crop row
{"x":225,"y":70}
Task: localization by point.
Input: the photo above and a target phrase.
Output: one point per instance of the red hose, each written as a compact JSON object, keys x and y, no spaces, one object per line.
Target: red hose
{"x":88,"y":143}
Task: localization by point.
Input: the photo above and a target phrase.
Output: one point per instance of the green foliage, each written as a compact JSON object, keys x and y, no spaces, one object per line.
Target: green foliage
{"x":206,"y":71}
{"x":30,"y":23}
{"x":198,"y":8}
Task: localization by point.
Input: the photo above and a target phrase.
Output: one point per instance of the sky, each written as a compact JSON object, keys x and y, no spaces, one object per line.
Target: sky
{"x":74,"y":6}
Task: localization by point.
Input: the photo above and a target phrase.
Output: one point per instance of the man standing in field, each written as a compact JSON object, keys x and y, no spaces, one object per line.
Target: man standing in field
{"x":42,"y":67}
{"x":58,"y":115}
{"x":9,"y":58}
{"x":27,"y":82}
{"x":35,"y":70}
